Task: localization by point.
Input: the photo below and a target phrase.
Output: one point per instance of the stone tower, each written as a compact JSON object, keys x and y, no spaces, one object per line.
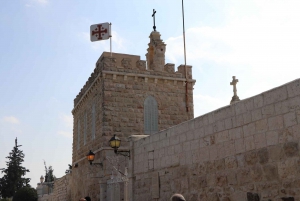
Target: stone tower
{"x":156,"y":52}
{"x":125,"y":97}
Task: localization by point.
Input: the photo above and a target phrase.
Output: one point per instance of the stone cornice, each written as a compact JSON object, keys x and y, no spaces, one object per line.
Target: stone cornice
{"x":146,"y":76}
{"x":125,"y":75}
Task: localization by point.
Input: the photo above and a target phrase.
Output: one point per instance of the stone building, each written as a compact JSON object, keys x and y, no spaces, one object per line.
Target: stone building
{"x":248,"y":150}
{"x":125,"y":96}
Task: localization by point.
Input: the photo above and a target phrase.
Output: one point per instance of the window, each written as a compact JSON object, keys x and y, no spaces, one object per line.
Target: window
{"x":93,"y":121}
{"x":150,"y":115}
{"x":85,"y":128}
{"x":78,"y":134}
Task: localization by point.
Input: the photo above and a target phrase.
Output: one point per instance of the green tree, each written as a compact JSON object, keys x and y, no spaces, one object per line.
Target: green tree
{"x":26,"y":194}
{"x":13,"y":178}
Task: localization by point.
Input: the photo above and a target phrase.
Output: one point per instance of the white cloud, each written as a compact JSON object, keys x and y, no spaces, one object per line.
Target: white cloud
{"x":260,"y":46}
{"x":31,"y":3}
{"x":65,"y":134}
{"x":267,"y":36}
{"x":11,"y":120}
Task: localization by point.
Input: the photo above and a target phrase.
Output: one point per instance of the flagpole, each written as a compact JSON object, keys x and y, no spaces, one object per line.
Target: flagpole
{"x":186,"y":82}
{"x":110,"y":39}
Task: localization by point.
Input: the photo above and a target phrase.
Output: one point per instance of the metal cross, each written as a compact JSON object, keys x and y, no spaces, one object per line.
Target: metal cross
{"x":234,"y":82}
{"x":153,"y":15}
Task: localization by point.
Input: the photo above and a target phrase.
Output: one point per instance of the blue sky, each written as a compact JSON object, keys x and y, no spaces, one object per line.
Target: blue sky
{"x":46,"y":57}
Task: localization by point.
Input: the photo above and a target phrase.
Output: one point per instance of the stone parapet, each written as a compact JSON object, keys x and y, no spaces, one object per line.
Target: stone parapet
{"x":131,"y":65}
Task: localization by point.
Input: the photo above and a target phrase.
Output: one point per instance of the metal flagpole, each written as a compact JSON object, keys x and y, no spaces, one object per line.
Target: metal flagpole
{"x":110,"y":39}
{"x":186,"y":77}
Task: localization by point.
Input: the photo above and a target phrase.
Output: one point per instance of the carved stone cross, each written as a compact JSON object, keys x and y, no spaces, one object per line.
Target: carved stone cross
{"x":235,"y":98}
{"x":234,"y":82}
{"x":153,"y":15}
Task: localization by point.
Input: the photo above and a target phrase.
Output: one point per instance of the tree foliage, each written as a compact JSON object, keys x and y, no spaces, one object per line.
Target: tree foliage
{"x":26,"y":194}
{"x":13,"y":178}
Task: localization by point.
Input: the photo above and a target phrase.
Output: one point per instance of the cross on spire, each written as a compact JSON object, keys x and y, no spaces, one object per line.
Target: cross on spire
{"x":153,"y":15}
{"x":235,"y":98}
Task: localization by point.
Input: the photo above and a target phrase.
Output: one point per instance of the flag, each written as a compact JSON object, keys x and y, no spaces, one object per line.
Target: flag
{"x":100,"y":31}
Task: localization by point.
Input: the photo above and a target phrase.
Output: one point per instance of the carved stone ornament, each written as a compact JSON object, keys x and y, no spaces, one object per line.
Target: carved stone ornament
{"x":107,"y":61}
{"x":126,"y":63}
{"x":141,"y":64}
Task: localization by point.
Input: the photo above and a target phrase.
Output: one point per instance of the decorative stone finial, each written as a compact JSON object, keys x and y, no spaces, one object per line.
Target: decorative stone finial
{"x":235,"y":98}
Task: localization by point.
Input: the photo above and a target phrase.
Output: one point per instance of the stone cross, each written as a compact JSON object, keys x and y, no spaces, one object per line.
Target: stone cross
{"x":234,"y":82}
{"x":235,"y":98}
{"x":153,"y":15}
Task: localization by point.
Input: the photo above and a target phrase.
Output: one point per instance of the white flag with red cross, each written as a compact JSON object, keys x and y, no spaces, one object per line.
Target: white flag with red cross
{"x":100,"y":31}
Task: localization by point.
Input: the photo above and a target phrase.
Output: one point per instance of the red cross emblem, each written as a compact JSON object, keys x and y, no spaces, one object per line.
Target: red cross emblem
{"x":99,"y":31}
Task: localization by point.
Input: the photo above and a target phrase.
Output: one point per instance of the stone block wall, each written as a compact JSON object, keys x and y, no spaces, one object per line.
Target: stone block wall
{"x":124,"y":96}
{"x":240,"y":152}
{"x":93,"y":98}
{"x":118,"y":88}
{"x":61,"y":190}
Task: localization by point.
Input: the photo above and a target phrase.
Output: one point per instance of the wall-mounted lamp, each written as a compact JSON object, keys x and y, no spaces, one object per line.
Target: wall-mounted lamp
{"x":91,"y":157}
{"x":115,"y":143}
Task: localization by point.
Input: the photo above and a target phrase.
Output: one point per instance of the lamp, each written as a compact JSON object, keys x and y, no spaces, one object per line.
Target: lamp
{"x":115,"y":143}
{"x":91,"y":157}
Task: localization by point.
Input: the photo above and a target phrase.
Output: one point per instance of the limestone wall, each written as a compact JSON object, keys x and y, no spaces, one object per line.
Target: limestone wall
{"x":236,"y":153}
{"x":61,"y":190}
{"x":85,"y":110}
{"x":124,"y":96}
{"x":118,"y":88}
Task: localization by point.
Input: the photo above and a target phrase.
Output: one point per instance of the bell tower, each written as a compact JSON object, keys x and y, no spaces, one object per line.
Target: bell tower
{"x":156,"y":52}
{"x":125,"y":96}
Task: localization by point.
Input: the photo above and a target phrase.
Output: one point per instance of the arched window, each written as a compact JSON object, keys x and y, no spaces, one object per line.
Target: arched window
{"x":78,"y":134}
{"x":93,"y":121}
{"x":150,"y":115}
